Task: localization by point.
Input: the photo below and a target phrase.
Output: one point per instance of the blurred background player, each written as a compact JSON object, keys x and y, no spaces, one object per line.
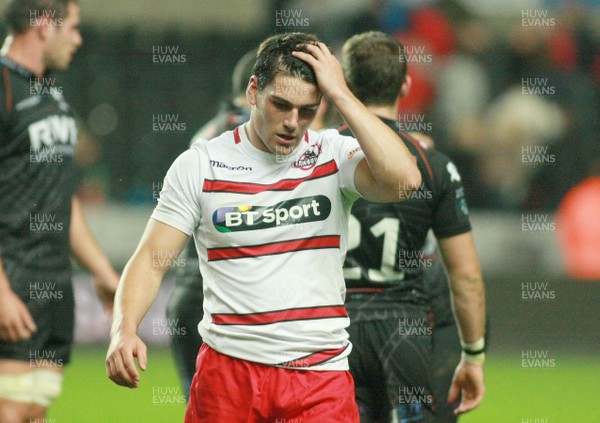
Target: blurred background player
{"x":185,"y":304}
{"x":387,"y":303}
{"x":41,"y":220}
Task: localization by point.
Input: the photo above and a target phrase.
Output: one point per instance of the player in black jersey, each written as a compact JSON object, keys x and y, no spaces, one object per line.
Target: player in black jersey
{"x":183,"y":312}
{"x":41,"y":220}
{"x":384,"y":269}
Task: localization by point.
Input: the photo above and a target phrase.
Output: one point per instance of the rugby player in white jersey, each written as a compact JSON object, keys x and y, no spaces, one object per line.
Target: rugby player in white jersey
{"x":268,"y":205}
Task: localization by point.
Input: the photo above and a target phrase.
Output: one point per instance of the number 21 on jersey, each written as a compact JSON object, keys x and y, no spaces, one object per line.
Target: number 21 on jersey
{"x":389,"y":227}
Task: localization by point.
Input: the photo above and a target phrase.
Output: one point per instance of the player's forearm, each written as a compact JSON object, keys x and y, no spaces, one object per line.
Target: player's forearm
{"x":468,"y":304}
{"x":84,"y":246}
{"x":137,"y":290}
{"x":390,"y":162}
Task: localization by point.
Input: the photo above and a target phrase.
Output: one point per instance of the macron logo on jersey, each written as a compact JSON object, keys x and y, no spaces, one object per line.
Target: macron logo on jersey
{"x":290,"y":212}
{"x":51,"y":131}
{"x":216,"y":163}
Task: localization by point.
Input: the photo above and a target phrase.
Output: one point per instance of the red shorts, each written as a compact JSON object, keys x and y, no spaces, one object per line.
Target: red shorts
{"x":230,"y":390}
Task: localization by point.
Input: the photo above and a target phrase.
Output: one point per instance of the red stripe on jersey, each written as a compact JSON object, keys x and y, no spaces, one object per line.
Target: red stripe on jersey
{"x":217,"y":185}
{"x":421,"y":152}
{"x":314,"y":359}
{"x":306,"y":136}
{"x":327,"y":241}
{"x":8,"y":89}
{"x":375,"y":290}
{"x":236,"y":135}
{"x":268,"y":317}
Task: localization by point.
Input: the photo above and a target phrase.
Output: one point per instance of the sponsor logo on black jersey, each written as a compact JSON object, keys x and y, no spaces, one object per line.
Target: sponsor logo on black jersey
{"x":309,"y":158}
{"x":290,"y":212}
{"x":216,"y":163}
{"x":53,"y":130}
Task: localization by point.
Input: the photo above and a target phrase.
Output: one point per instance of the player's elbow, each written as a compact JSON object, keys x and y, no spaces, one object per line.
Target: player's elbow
{"x":414,"y":179}
{"x":409,"y":181}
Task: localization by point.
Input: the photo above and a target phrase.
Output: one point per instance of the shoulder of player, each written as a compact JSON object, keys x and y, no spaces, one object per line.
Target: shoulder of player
{"x":429,"y":159}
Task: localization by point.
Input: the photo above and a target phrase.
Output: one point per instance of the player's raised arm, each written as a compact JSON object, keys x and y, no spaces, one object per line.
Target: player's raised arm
{"x":389,"y":171}
{"x":137,"y":290}
{"x":468,"y":302}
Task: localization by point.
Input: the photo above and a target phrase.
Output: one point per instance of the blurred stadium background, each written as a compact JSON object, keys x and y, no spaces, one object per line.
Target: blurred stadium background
{"x":509,"y":89}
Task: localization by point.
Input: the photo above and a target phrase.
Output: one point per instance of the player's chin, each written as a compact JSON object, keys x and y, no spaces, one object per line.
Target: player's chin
{"x":283,"y":145}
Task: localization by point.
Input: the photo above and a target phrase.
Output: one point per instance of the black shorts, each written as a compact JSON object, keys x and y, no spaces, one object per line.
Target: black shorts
{"x":49,"y":298}
{"x":392,"y":363}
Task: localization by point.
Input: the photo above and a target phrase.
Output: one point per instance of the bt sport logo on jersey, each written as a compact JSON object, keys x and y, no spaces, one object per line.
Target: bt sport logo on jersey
{"x":289,"y":212}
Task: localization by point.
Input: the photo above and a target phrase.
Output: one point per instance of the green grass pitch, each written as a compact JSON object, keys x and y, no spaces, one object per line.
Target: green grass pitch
{"x":565,"y":393}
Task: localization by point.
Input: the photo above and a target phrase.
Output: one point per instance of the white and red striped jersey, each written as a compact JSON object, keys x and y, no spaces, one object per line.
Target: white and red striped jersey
{"x":271,"y":233}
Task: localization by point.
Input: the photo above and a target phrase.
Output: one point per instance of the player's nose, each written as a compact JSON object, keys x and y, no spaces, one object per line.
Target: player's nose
{"x":291,"y":120}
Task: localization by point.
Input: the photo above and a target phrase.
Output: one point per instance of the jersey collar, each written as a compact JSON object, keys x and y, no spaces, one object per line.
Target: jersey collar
{"x":16,"y":67}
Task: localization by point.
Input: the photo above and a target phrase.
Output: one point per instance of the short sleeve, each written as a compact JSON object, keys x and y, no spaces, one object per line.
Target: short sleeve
{"x":179,"y":201}
{"x":348,"y":154}
{"x":451,"y":214}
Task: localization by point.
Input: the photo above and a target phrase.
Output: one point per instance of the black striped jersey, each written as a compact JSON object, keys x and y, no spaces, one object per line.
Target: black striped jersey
{"x":271,"y":234}
{"x":37,"y":176}
{"x":385,"y":262}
